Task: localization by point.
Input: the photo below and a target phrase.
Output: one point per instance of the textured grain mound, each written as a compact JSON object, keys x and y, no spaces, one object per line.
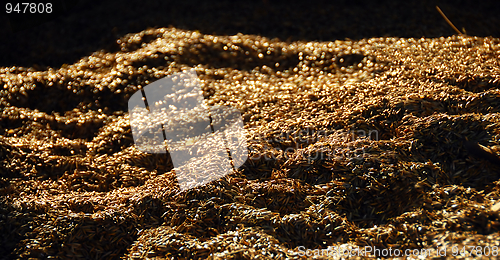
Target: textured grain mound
{"x":351,"y":143}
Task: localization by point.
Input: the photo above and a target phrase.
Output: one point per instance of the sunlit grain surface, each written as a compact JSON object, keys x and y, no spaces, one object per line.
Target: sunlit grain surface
{"x":73,"y":185}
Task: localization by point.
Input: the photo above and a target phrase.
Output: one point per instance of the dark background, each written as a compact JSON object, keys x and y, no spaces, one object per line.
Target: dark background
{"x":81,"y":27}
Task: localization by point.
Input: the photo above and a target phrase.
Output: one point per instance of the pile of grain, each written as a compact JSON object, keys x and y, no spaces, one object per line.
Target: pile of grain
{"x":351,"y":142}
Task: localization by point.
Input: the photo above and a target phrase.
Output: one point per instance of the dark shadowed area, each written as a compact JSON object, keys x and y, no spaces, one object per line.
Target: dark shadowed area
{"x":88,"y":26}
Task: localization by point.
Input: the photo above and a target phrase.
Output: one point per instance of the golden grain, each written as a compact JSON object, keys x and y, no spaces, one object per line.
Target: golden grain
{"x":350,"y":142}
